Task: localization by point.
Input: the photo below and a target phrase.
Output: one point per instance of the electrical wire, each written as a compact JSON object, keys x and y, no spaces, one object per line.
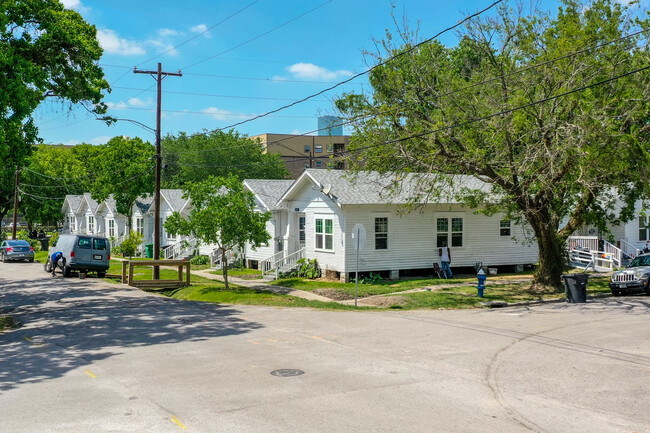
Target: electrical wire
{"x":490,"y":80}
{"x":219,"y":96}
{"x":258,"y":36}
{"x":400,"y":54}
{"x":500,"y":113}
{"x":201,"y":33}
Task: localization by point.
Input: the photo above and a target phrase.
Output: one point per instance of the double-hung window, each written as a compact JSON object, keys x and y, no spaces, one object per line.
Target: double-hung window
{"x":381,"y":233}
{"x":71,"y":224}
{"x":504,"y":228}
{"x":324,"y":228}
{"x":644,"y":229}
{"x":111,"y":228}
{"x":139,"y":225}
{"x":449,"y":232}
{"x":91,"y":224}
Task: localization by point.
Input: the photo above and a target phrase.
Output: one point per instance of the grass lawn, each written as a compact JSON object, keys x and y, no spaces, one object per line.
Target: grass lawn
{"x":40,"y":256}
{"x":145,"y":273}
{"x":243,"y":273}
{"x":216,"y":293}
{"x":379,"y":288}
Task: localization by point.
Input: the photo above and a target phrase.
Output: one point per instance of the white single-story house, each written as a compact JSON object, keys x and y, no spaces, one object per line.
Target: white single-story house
{"x":267,"y":195}
{"x":324,"y":206}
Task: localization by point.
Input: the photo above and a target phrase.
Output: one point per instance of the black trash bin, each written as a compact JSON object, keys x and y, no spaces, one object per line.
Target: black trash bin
{"x":575,"y":286}
{"x":45,"y":244}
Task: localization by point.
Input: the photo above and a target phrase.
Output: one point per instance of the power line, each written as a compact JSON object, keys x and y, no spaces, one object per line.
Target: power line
{"x":205,"y":113}
{"x":527,"y":68}
{"x":218,"y":95}
{"x":500,"y":113}
{"x":201,"y":33}
{"x":284,"y":107}
{"x":259,"y":36}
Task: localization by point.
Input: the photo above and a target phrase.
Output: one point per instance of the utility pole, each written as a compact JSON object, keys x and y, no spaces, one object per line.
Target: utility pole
{"x":157,"y":75}
{"x":13,"y":229}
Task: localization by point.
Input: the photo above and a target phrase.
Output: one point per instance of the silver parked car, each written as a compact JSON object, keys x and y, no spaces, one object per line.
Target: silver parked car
{"x":16,"y":250}
{"x":635,"y":278}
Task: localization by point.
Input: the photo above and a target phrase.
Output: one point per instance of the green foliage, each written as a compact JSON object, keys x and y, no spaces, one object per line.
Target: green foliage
{"x":307,"y":269}
{"x":200,"y":260}
{"x":123,"y":168}
{"x":54,"y":238}
{"x":128,"y":247}
{"x":372,"y":278}
{"x":223,"y":214}
{"x":45,"y":49}
{"x":186,"y":158}
{"x":24,"y":235}
{"x":568,"y":159}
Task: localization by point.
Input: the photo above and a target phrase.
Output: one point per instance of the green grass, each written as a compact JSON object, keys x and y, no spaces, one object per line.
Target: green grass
{"x":216,"y":293}
{"x":380,"y":288}
{"x":146,"y":273}
{"x":244,"y":273}
{"x":40,"y":256}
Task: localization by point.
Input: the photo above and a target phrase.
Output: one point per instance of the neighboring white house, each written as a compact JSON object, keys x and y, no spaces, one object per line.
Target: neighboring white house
{"x":324,"y":206}
{"x":267,"y":194}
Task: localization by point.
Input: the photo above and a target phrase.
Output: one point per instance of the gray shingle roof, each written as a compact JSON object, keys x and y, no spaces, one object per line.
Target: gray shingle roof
{"x":73,"y":201}
{"x":268,"y":191}
{"x":144,"y":203}
{"x":175,"y":198}
{"x":92,"y":204}
{"x":376,"y":188}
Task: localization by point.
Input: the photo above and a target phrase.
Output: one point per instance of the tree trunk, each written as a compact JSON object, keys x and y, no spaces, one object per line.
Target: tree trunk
{"x":224,"y":267}
{"x":552,"y":252}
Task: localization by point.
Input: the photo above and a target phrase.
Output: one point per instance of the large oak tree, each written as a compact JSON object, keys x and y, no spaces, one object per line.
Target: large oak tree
{"x":478,"y":109}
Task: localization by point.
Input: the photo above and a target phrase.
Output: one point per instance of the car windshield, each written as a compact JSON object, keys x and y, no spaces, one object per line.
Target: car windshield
{"x":640,"y":261}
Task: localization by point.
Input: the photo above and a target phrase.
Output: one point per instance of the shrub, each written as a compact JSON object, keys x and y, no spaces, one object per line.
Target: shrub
{"x":308,"y":269}
{"x":200,"y":260}
{"x":130,"y":244}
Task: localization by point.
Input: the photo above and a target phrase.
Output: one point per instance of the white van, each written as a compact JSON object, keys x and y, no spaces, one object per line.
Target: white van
{"x":84,"y":253}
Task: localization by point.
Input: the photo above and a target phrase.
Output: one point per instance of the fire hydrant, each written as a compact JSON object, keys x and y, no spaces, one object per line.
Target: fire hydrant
{"x":481,"y":282}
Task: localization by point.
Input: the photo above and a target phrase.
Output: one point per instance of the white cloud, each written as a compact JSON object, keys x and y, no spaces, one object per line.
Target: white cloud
{"x":163,"y":33}
{"x":218,"y":113}
{"x":162,"y":46}
{"x":137,"y":102}
{"x":201,"y":28}
{"x":311,"y":71}
{"x":103,"y":139}
{"x":71,"y":4}
{"x":117,"y":105}
{"x":113,"y":44}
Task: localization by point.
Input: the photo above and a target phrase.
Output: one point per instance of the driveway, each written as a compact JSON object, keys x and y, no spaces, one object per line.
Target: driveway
{"x":94,"y":357}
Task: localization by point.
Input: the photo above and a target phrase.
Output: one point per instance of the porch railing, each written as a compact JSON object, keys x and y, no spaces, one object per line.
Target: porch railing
{"x":180,"y":249}
{"x":280,"y":263}
{"x":630,"y":250}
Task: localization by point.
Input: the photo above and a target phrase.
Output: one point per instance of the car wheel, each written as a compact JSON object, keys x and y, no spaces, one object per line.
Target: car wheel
{"x":101,"y":274}
{"x":4,"y":258}
{"x":31,"y":260}
{"x":48,"y":266}
{"x":66,"y":271}
{"x":617,"y":292}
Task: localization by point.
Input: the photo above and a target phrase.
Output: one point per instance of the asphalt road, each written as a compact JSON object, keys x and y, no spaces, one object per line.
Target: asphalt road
{"x":93,"y":357}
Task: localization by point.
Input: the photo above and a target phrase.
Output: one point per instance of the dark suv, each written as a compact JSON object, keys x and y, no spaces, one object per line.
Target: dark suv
{"x":635,"y":278}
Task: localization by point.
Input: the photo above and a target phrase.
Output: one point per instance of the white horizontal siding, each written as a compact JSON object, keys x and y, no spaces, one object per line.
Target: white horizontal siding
{"x":412,"y":240}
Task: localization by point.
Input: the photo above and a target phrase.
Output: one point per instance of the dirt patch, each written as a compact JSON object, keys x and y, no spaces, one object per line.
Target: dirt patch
{"x":385,"y":301}
{"x":250,"y":277}
{"x":333,"y":294}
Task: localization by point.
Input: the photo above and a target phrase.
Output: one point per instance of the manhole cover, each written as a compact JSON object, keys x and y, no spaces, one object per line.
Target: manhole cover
{"x":287,"y":372}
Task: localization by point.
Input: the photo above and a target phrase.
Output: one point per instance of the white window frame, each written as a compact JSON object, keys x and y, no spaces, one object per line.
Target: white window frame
{"x":91,"y":224}
{"x":503,"y":227}
{"x":384,"y":235}
{"x":139,"y":225}
{"x":450,"y":217}
{"x":643,"y":232}
{"x":111,"y":228}
{"x":323,"y":236}
{"x":71,"y":223}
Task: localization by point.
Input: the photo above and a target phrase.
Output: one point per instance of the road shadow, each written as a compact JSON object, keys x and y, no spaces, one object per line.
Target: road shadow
{"x":66,"y":324}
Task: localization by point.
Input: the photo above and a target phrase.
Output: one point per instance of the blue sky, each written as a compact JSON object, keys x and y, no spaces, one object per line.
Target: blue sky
{"x":225,"y":78}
